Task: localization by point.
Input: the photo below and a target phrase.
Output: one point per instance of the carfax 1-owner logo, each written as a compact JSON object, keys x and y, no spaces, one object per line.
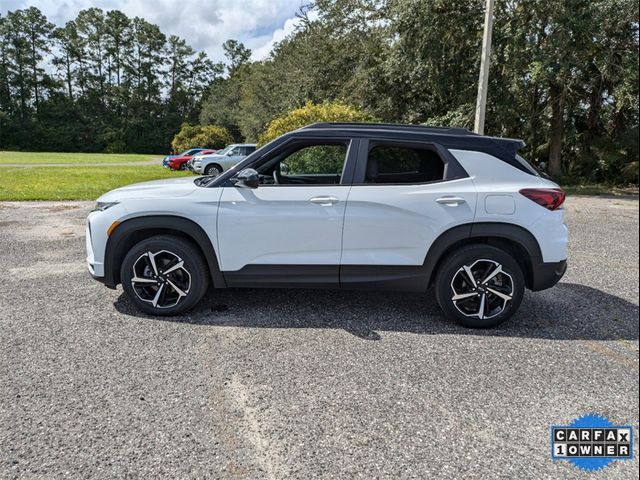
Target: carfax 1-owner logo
{"x":591,"y":442}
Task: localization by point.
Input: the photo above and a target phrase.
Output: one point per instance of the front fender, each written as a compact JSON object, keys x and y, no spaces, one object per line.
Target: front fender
{"x":133,"y":230}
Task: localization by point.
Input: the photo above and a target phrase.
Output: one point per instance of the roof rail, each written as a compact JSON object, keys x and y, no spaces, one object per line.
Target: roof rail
{"x":390,"y":126}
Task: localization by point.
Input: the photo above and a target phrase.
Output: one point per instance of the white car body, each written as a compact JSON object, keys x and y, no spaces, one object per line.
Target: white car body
{"x":314,"y":233}
{"x":345,"y":225}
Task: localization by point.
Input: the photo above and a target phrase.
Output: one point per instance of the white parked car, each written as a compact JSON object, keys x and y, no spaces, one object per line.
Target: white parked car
{"x":216,"y":163}
{"x":371,"y":206}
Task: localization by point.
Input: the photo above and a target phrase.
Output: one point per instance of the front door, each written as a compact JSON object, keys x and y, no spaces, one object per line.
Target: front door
{"x":289,"y":229}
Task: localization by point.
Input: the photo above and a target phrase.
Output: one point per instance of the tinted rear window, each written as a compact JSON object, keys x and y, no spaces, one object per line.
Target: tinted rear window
{"x":401,"y":164}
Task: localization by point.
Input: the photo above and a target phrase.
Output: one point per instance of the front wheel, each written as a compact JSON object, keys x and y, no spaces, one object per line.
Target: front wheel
{"x":213,"y":170}
{"x":480,"y":286}
{"x":164,"y":275}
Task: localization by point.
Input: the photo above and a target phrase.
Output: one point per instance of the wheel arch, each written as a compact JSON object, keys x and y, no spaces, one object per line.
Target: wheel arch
{"x":515,"y":240}
{"x":133,"y":230}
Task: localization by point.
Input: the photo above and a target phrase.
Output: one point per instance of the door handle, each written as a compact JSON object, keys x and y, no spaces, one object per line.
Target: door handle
{"x":324,"y":201}
{"x":451,"y":201}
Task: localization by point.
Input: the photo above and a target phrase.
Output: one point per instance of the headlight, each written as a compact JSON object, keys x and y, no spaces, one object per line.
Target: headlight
{"x":102,"y":206}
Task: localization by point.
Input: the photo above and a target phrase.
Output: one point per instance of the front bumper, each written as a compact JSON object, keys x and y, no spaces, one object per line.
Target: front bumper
{"x":546,"y":275}
{"x":98,"y":223}
{"x":197,"y":167}
{"x":96,"y":269}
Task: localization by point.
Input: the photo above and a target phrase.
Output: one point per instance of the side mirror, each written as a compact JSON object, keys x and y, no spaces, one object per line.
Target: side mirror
{"x":247,"y":178}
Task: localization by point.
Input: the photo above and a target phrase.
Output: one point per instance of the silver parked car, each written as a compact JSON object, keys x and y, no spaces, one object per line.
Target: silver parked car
{"x":221,"y":161}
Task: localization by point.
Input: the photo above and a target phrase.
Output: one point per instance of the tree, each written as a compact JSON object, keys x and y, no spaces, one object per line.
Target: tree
{"x":98,"y":82}
{"x":236,"y":53}
{"x":118,"y":43}
{"x":204,"y":136}
{"x":37,"y":31}
{"x":67,"y":41}
{"x":312,"y":113}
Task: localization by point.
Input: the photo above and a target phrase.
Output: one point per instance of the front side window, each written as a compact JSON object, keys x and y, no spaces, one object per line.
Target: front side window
{"x":392,"y":164}
{"x":310,"y":164}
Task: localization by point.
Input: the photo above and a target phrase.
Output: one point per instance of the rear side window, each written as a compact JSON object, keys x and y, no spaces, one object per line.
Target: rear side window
{"x":393,"y":164}
{"x":527,"y":166}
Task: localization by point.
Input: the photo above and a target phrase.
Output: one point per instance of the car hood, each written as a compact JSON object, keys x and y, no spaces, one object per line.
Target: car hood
{"x":176,"y":187}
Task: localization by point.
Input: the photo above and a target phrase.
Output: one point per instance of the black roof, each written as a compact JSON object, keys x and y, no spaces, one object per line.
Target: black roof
{"x":392,"y":126}
{"x":449,"y":137}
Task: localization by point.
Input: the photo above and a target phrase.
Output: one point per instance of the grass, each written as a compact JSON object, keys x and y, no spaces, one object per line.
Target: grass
{"x":35,"y":158}
{"x":74,"y":183}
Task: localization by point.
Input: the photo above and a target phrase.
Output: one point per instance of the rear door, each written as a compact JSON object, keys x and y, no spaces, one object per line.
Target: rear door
{"x":405,"y":194}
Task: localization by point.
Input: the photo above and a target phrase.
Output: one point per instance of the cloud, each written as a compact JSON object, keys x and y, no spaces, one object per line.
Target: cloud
{"x":262,"y":50}
{"x":205,"y":24}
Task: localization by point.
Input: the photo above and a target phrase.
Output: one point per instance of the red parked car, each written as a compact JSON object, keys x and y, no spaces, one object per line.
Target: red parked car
{"x":180,"y":162}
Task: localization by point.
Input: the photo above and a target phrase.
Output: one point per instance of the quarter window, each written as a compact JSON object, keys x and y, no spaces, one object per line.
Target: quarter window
{"x":392,"y":164}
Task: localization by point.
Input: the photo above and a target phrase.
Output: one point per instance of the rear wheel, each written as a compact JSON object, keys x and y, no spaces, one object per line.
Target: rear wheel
{"x":164,"y":275}
{"x":213,"y":170}
{"x":480,"y":286}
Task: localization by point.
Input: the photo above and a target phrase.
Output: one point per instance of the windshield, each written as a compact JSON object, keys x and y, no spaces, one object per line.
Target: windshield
{"x":224,"y":150}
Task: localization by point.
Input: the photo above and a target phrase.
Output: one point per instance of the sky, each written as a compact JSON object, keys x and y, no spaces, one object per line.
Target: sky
{"x":205,"y":24}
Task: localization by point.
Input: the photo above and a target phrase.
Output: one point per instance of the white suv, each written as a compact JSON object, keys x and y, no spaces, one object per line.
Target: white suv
{"x":373,"y":206}
{"x":215,"y":163}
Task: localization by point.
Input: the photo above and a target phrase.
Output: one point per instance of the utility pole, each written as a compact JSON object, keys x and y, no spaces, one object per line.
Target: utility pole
{"x":483,"y":82}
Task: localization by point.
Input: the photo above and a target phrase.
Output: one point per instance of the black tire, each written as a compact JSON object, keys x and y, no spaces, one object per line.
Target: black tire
{"x":212,"y":170}
{"x":482,"y":260}
{"x":192,"y":279}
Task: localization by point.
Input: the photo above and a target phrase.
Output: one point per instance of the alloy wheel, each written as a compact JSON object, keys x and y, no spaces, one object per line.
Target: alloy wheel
{"x":160,"y":278}
{"x":482,"y":289}
{"x":213,"y":171}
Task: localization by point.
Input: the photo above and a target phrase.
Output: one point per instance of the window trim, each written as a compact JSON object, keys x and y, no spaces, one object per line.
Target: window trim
{"x":452,"y":168}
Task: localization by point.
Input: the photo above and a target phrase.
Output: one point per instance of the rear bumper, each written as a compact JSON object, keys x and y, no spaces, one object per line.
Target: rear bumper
{"x":546,"y":275}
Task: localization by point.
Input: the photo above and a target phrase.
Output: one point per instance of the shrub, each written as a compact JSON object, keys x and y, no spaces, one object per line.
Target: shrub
{"x":312,"y":113}
{"x":204,"y":136}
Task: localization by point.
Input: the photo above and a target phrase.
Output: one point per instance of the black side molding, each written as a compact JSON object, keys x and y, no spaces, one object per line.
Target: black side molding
{"x":284,"y":276}
{"x":133,"y":230}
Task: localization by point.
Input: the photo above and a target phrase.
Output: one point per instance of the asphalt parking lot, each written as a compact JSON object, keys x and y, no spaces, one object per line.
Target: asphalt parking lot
{"x":306,"y":384}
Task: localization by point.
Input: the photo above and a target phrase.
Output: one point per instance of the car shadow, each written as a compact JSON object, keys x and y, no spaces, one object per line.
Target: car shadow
{"x":566,"y":312}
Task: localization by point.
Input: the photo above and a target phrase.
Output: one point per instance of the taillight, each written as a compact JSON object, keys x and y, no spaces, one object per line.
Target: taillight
{"x":550,"y":198}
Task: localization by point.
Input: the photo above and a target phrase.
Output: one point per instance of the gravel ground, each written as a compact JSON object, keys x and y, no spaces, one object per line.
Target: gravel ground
{"x":306,"y":384}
